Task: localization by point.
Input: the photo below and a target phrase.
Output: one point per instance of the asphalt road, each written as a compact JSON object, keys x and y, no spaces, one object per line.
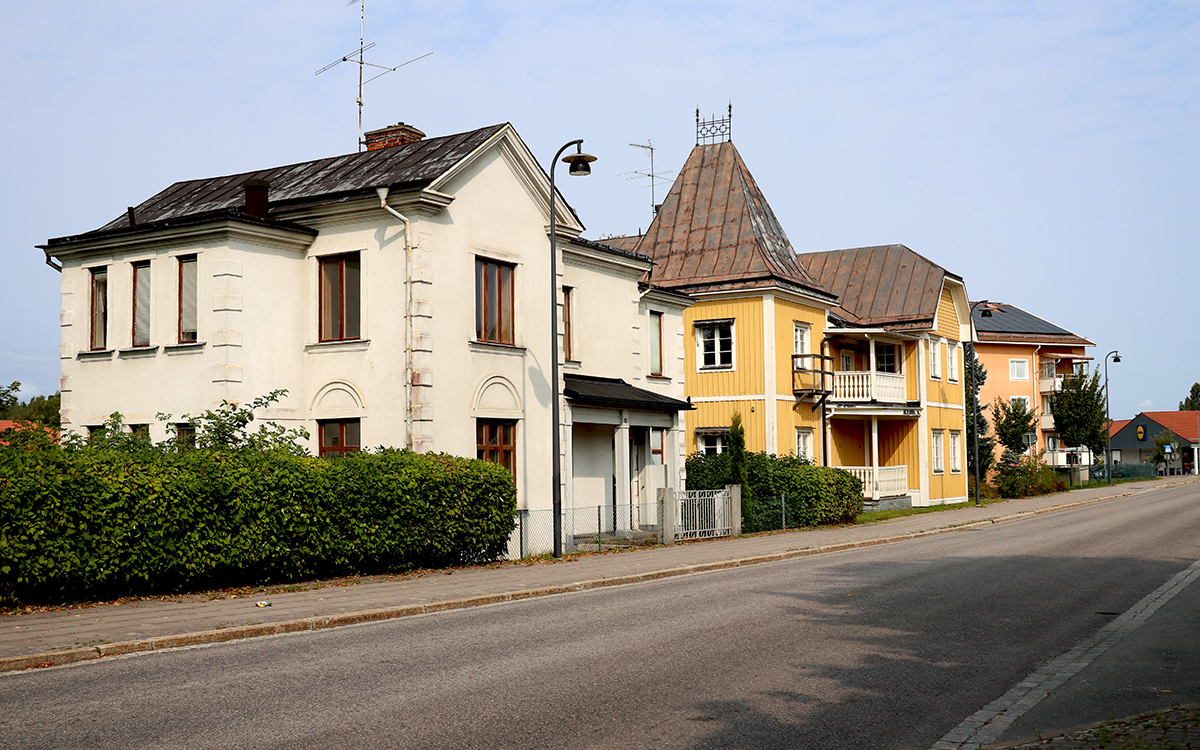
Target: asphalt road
{"x":886,"y":647}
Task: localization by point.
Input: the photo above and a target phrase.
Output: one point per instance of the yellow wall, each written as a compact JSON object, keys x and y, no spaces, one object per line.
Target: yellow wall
{"x":898,"y":446}
{"x":747,"y":376}
{"x":846,"y":445}
{"x":787,"y":313}
{"x":947,"y":316}
{"x":948,"y":485}
{"x":719,"y":414}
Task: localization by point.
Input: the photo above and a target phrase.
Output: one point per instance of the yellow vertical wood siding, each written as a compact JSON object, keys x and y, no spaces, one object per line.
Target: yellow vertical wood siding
{"x":787,"y":314}
{"x":717,"y":414}
{"x":746,"y":377}
{"x":948,"y":323}
{"x":793,"y":414}
{"x":899,"y":446}
{"x":846,"y":444}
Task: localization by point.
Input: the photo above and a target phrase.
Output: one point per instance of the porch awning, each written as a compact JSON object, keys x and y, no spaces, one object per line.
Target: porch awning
{"x":616,"y":393}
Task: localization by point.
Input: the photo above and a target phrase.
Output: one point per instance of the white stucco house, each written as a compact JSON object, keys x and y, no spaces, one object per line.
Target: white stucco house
{"x":401,"y":295}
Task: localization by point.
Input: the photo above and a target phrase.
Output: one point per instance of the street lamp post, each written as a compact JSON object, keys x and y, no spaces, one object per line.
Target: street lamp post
{"x":580,"y":166}
{"x":1108,"y":418}
{"x":986,"y":313}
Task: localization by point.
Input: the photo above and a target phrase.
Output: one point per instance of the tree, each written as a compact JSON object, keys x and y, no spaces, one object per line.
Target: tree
{"x":1012,"y":420}
{"x":1165,"y":439}
{"x":738,"y":472}
{"x":976,"y":377}
{"x":43,"y":410}
{"x":1192,"y":402}
{"x":1078,"y":411}
{"x":8,"y":397}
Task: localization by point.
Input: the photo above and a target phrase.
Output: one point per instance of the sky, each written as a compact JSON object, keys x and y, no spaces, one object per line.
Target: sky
{"x":1046,"y":152}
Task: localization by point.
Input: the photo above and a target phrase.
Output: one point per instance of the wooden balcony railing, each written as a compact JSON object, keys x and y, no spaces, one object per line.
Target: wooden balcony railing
{"x":883,"y":387}
{"x":812,"y":374}
{"x":886,"y":481}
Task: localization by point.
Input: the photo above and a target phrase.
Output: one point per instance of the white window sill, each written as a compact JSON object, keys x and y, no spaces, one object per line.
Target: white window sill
{"x":349,"y":345}
{"x":186,"y":346}
{"x":138,"y":351}
{"x":95,"y":354}
{"x":493,"y":347}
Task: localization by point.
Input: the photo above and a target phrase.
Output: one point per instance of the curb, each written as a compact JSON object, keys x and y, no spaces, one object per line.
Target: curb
{"x":325,"y":622}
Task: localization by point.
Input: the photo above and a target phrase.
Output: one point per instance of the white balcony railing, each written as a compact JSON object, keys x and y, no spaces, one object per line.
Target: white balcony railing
{"x":1050,"y":385}
{"x":884,"y":387}
{"x":887,"y":481}
{"x":1046,"y":422}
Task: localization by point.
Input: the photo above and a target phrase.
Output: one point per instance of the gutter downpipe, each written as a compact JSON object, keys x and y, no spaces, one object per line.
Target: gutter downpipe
{"x":821,"y":406}
{"x":51,"y":263}
{"x":408,"y":337}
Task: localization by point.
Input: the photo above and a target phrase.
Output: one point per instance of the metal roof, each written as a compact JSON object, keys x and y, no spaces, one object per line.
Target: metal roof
{"x":887,"y":285}
{"x":614,"y":392}
{"x":327,"y":180}
{"x":716,"y":230}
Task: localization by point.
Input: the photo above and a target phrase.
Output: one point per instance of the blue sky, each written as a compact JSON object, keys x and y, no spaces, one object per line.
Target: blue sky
{"x":1046,"y":152}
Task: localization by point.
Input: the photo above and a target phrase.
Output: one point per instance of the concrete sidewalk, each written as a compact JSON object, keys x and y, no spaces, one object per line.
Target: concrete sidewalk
{"x":42,"y":639}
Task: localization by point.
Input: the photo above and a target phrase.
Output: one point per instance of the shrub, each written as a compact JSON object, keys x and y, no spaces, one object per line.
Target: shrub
{"x":98,"y":522}
{"x":813,"y":494}
{"x":1025,"y":476}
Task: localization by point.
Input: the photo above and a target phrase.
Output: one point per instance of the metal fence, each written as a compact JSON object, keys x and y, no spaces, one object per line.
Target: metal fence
{"x":1099,"y":472}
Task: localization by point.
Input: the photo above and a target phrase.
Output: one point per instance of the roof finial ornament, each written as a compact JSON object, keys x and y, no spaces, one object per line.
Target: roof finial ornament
{"x":716,"y":130}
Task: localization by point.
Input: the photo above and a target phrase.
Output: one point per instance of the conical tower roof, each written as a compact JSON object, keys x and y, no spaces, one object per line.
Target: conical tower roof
{"x":715,"y":231}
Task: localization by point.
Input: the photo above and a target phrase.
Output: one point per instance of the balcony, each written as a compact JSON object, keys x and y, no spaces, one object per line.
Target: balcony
{"x":1050,"y":385}
{"x":886,"y":481}
{"x":812,"y":375}
{"x":1046,"y":421}
{"x":862,"y":386}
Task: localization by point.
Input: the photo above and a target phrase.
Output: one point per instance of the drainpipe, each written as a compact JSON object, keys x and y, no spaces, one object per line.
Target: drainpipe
{"x":408,"y":335}
{"x":50,"y":262}
{"x":821,"y":405}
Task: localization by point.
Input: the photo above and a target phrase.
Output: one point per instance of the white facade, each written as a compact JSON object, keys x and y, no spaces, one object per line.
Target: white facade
{"x":415,"y":373}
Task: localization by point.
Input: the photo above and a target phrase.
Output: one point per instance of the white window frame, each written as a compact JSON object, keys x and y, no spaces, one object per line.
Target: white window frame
{"x":800,"y":337}
{"x":1012,"y":401}
{"x":656,"y":344}
{"x":952,"y":361}
{"x":1049,"y":368}
{"x":847,"y":361}
{"x":804,"y":442}
{"x":935,"y":360}
{"x":719,"y":440}
{"x":955,"y":452}
{"x":937,"y":451}
{"x":716,"y":326}
{"x":1018,"y":370}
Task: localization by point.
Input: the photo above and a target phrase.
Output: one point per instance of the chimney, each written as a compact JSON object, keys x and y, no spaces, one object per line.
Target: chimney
{"x":393,"y":135}
{"x":256,"y":197}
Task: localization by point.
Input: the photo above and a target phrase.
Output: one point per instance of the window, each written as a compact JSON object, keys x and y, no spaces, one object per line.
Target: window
{"x":935,"y":359}
{"x":935,"y":447}
{"x":656,"y":446}
{"x":1023,"y":401}
{"x":656,"y":358}
{"x":886,"y":358}
{"x":804,"y":442}
{"x":711,"y":442}
{"x":187,"y":299}
{"x":1048,"y":367}
{"x":715,"y":341}
{"x":339,"y":437}
{"x":1052,"y":443}
{"x":493,"y":301}
{"x":185,"y":435}
{"x":568,"y":315}
{"x":1081,"y":369}
{"x":952,"y":361}
{"x":141,"y":303}
{"x":847,"y":361}
{"x":140,"y":432}
{"x":495,"y":441}
{"x":799,"y":337}
{"x":955,"y":452}
{"x":1018,"y":369}
{"x":99,"y":304}
{"x":340,"y":297}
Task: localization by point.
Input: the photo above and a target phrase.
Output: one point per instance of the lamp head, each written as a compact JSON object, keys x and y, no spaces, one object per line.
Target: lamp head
{"x":580,"y":162}
{"x":985,"y":312}
{"x":1116,"y":358}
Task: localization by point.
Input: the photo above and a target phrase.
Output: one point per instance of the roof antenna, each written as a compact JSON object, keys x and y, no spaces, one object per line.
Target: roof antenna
{"x":651,"y":173}
{"x":363,"y":47}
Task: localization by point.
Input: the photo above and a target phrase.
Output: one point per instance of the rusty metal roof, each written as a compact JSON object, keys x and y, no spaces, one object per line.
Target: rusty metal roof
{"x":413,"y":165}
{"x":886,"y":286}
{"x":715,"y":230}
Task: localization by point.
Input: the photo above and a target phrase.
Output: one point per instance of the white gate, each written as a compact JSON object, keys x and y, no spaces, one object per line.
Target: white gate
{"x":704,"y":513}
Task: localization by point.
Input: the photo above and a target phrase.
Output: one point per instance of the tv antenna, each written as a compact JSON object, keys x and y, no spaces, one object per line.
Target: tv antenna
{"x":654,"y":176}
{"x":361,"y":63}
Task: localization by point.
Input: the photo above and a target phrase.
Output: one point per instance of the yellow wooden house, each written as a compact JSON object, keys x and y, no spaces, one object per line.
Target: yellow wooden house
{"x":852,"y":358}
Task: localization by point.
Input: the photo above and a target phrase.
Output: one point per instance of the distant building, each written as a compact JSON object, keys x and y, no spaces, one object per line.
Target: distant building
{"x":1132,"y":440}
{"x":1027,"y":358}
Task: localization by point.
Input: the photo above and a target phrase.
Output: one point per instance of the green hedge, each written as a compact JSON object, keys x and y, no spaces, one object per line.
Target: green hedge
{"x":85,"y":523}
{"x":814,"y":495}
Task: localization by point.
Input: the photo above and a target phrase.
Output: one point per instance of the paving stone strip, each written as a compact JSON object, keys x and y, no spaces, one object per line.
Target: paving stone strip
{"x":986,"y":725}
{"x":1176,"y":728}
